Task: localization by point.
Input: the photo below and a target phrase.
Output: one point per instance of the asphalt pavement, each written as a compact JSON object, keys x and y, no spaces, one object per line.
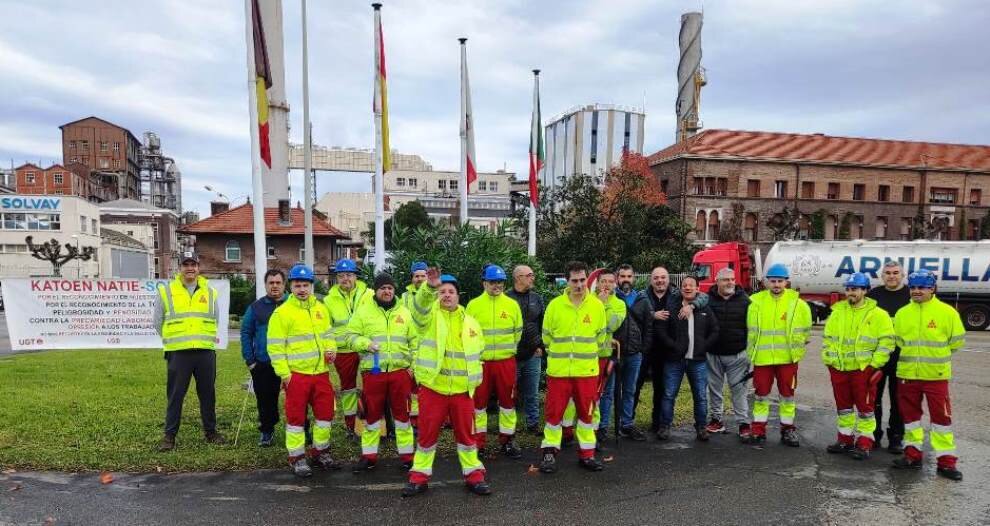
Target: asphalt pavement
{"x":676,"y":482}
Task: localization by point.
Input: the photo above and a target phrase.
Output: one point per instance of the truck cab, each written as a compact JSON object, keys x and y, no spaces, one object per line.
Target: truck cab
{"x":707,"y":263}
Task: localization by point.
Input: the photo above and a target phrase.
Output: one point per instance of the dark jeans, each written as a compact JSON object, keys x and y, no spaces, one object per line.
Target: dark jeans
{"x":528,"y":387}
{"x":895,"y":424}
{"x":673,"y":373}
{"x":267,"y":386}
{"x":182,"y":366}
{"x":630,"y":376}
{"x":652,"y":369}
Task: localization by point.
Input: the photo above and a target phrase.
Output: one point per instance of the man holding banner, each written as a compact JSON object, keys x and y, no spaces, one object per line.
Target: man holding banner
{"x":187,"y":318}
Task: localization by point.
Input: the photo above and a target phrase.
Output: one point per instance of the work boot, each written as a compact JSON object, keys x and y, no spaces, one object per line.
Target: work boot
{"x":549,"y":463}
{"x":511,"y":450}
{"x":701,"y":434}
{"x":904,"y":463}
{"x":326,"y":462}
{"x":789,"y":437}
{"x":601,"y":435}
{"x":364,"y":464}
{"x":839,"y":448}
{"x":950,"y":473}
{"x":215,"y":438}
{"x":412,"y":489}
{"x":407,"y":465}
{"x":267,"y":439}
{"x":894,"y":446}
{"x":591,"y":464}
{"x":535,"y":429}
{"x":301,"y":468}
{"x":745,"y":433}
{"x":481,"y":488}
{"x":859,"y":453}
{"x":632,"y":433}
{"x":167,"y":443}
{"x":663,"y":433}
{"x":352,"y":436}
{"x":757,"y":440}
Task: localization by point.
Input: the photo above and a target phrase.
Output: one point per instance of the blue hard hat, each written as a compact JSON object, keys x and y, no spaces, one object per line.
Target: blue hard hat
{"x":417,"y":265}
{"x":857,"y":280}
{"x":449,"y":278}
{"x":922,"y":278}
{"x":778,"y":270}
{"x":345,"y":265}
{"x":301,"y":272}
{"x":493,"y":273}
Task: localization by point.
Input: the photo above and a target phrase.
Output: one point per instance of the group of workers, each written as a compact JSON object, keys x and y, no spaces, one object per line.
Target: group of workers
{"x":428,"y":361}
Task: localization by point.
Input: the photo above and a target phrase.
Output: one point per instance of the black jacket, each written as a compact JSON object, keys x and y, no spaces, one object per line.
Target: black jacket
{"x":635,"y":335}
{"x":532,"y":306}
{"x":731,"y":315}
{"x":671,"y":301}
{"x":674,"y":335}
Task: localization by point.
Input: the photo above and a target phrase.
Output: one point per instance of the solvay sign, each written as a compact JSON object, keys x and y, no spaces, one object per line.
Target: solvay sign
{"x":27,"y":202}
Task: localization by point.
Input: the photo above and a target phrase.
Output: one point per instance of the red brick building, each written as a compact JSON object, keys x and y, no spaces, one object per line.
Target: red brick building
{"x":107,"y":150}
{"x":30,"y":179}
{"x":860,"y":188}
{"x":225,"y":240}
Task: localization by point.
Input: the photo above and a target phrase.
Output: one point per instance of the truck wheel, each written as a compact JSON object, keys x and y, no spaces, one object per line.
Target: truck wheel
{"x":976,"y":317}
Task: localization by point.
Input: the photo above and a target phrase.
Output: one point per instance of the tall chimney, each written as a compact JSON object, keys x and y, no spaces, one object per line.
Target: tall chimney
{"x":218,"y":207}
{"x":690,"y":76}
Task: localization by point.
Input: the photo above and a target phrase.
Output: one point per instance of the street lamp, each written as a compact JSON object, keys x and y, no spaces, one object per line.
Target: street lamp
{"x":219,"y":194}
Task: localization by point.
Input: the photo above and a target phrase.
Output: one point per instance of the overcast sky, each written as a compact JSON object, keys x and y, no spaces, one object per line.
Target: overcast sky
{"x":909,"y":69}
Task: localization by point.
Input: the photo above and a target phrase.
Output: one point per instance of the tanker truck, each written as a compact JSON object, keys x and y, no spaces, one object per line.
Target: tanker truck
{"x":818,"y":269}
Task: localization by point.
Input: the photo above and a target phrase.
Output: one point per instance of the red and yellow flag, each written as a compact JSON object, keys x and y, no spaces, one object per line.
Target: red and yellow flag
{"x":263,"y":81}
{"x":381,"y":90}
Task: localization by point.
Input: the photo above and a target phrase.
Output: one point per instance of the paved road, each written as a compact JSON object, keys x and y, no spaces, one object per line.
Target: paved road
{"x":678,"y":482}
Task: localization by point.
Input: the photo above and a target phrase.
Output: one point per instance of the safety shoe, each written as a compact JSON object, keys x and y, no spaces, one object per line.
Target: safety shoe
{"x":549,"y":463}
{"x":859,"y":453}
{"x":364,"y":464}
{"x":326,"y":462}
{"x":267,"y":439}
{"x":950,"y":473}
{"x":511,"y":450}
{"x":701,"y":434}
{"x":215,"y":438}
{"x":534,"y":429}
{"x":715,"y":426}
{"x":789,"y":437}
{"x":632,"y":433}
{"x":839,"y":448}
{"x":601,"y":435}
{"x":745,"y":433}
{"x":407,"y":465}
{"x":167,"y":443}
{"x":757,"y":440}
{"x":591,"y":464}
{"x":567,"y":441}
{"x":353,"y":437}
{"x":895,"y":447}
{"x":412,"y":489}
{"x":904,"y":463}
{"x":663,"y":433}
{"x":481,"y":488}
{"x":301,"y":468}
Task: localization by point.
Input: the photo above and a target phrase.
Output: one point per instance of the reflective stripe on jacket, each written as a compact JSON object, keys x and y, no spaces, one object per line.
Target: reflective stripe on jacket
{"x":777,"y":328}
{"x":927,"y":333}
{"x":449,"y":357}
{"x":615,"y":314}
{"x":855,"y":338}
{"x":393,"y":330}
{"x":501,"y":322}
{"x":573,"y":336}
{"x":188,"y":322}
{"x":299,"y":332}
{"x":342,"y":306}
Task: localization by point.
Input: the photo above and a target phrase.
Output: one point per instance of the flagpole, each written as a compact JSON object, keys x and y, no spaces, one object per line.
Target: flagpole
{"x":464,"y":132}
{"x":310,"y":255}
{"x":258,"y":207}
{"x":379,"y":182}
{"x":533,"y":161}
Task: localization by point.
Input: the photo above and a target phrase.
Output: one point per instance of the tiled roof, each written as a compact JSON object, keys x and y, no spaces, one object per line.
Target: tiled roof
{"x":240,"y":220}
{"x":818,"y":148}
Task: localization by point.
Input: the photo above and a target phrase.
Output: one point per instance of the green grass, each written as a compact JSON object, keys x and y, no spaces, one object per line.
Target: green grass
{"x":104,"y":410}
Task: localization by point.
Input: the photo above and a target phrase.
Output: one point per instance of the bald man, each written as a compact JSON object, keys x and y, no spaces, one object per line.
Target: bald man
{"x":529,"y":352}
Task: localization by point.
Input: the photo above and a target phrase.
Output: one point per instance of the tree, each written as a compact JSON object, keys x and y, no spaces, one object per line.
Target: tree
{"x":409,"y":215}
{"x":786,"y":224}
{"x":624,"y":221}
{"x":51,"y":251}
{"x":731,"y":229}
{"x":985,"y":226}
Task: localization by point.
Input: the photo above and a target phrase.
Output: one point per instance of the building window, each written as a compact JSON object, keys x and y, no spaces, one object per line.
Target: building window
{"x":154,"y":234}
{"x":943,"y":196}
{"x":713,"y":225}
{"x":721,"y":186}
{"x":453,"y":184}
{"x":116,"y":147}
{"x":833,"y":191}
{"x":780,"y":189}
{"x":749,"y":227}
{"x":29,"y":177}
{"x":116,"y":164}
{"x":104,"y":162}
{"x":907,"y":195}
{"x":807,"y":190}
{"x":73,"y":160}
{"x":442,"y":184}
{"x":59,"y":192}
{"x":753,"y":188}
{"x":413,"y":182}
{"x":701,"y":220}
{"x":883,"y":193}
{"x":400,"y":181}
{"x":906,"y":228}
{"x":232,"y":251}
{"x":483,"y":186}
{"x":157,"y":274}
{"x":83,"y":224}
{"x":84,"y":145}
{"x":975,"y":195}
{"x":104,"y":147}
{"x":95,"y":227}
{"x":59,"y":178}
{"x":272,"y":253}
{"x":663,"y":185}
{"x":85,"y":160}
{"x":881,"y":232}
{"x":973,"y":230}
{"x":859,"y":192}
{"x":72,"y":145}
{"x":699,"y":186}
{"x":832,"y":227}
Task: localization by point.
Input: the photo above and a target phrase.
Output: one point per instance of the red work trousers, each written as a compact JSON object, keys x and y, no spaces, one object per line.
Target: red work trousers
{"x":309,"y":390}
{"x":936,"y":392}
{"x":763,"y":379}
{"x":394,"y":386}
{"x":347,"y":369}
{"x":434,"y":409}
{"x":603,"y":374}
{"x":498,"y":376}
{"x":584,"y":392}
{"x":852,"y":390}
